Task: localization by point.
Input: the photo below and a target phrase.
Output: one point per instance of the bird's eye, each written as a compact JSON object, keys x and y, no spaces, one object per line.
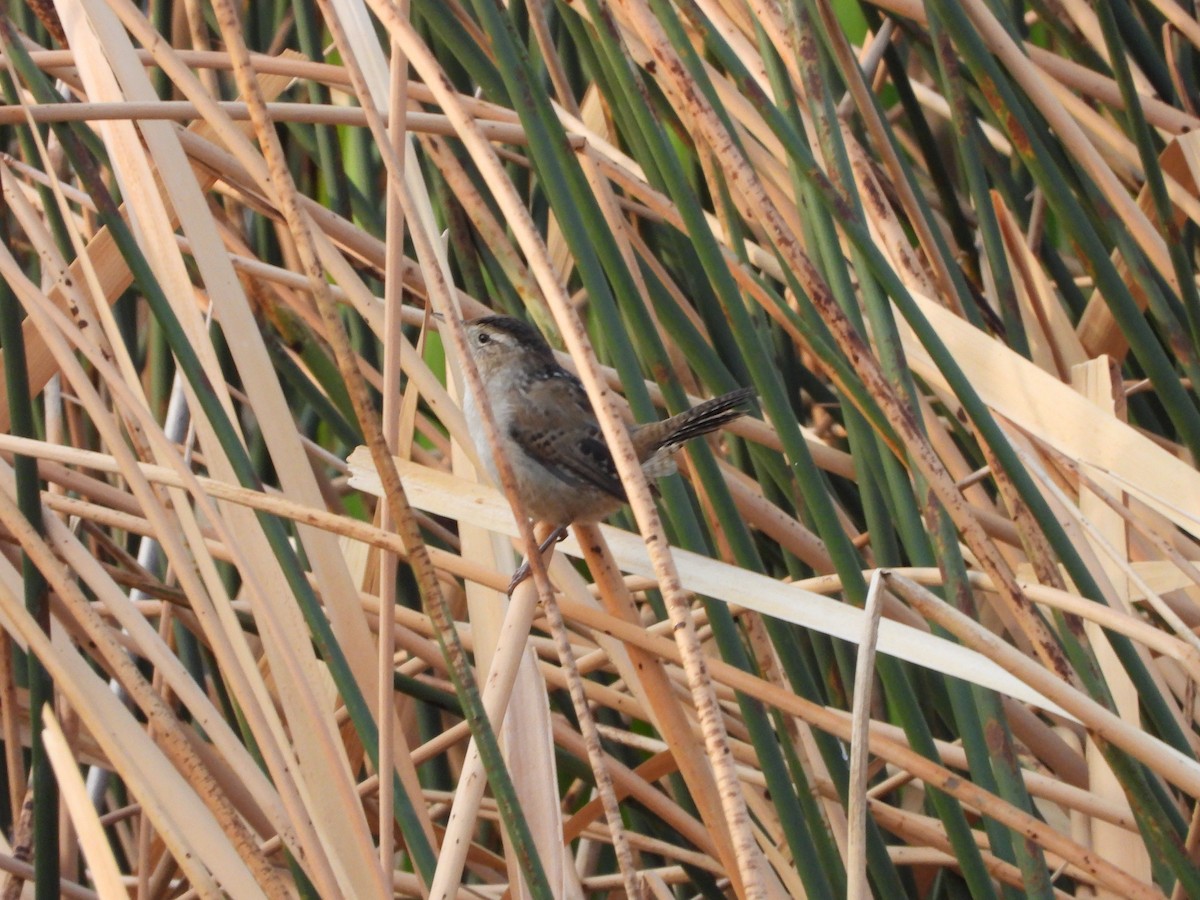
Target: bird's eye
{"x":483,"y":338}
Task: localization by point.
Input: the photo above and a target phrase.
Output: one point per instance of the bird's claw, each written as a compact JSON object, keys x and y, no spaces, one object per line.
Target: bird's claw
{"x":523,"y":572}
{"x":558,"y":535}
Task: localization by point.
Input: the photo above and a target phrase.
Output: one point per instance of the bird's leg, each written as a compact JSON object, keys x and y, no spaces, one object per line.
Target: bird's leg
{"x":556,"y":536}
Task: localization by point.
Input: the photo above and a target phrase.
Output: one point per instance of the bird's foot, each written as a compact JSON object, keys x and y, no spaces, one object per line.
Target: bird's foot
{"x":558,"y":535}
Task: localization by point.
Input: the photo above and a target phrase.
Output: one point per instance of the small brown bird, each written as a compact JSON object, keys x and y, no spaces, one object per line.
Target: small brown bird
{"x":563,"y":468}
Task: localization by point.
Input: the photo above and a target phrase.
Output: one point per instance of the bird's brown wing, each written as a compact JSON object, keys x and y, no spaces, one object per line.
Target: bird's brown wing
{"x":558,"y":430}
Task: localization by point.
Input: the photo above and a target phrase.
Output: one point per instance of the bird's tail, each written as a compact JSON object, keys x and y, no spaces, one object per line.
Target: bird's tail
{"x":702,"y":418}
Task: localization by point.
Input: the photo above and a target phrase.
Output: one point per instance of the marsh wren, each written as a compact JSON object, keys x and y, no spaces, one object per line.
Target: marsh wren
{"x":564,"y":470}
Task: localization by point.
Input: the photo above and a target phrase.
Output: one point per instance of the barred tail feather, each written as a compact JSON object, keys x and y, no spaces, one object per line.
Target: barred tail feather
{"x":705,"y":417}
